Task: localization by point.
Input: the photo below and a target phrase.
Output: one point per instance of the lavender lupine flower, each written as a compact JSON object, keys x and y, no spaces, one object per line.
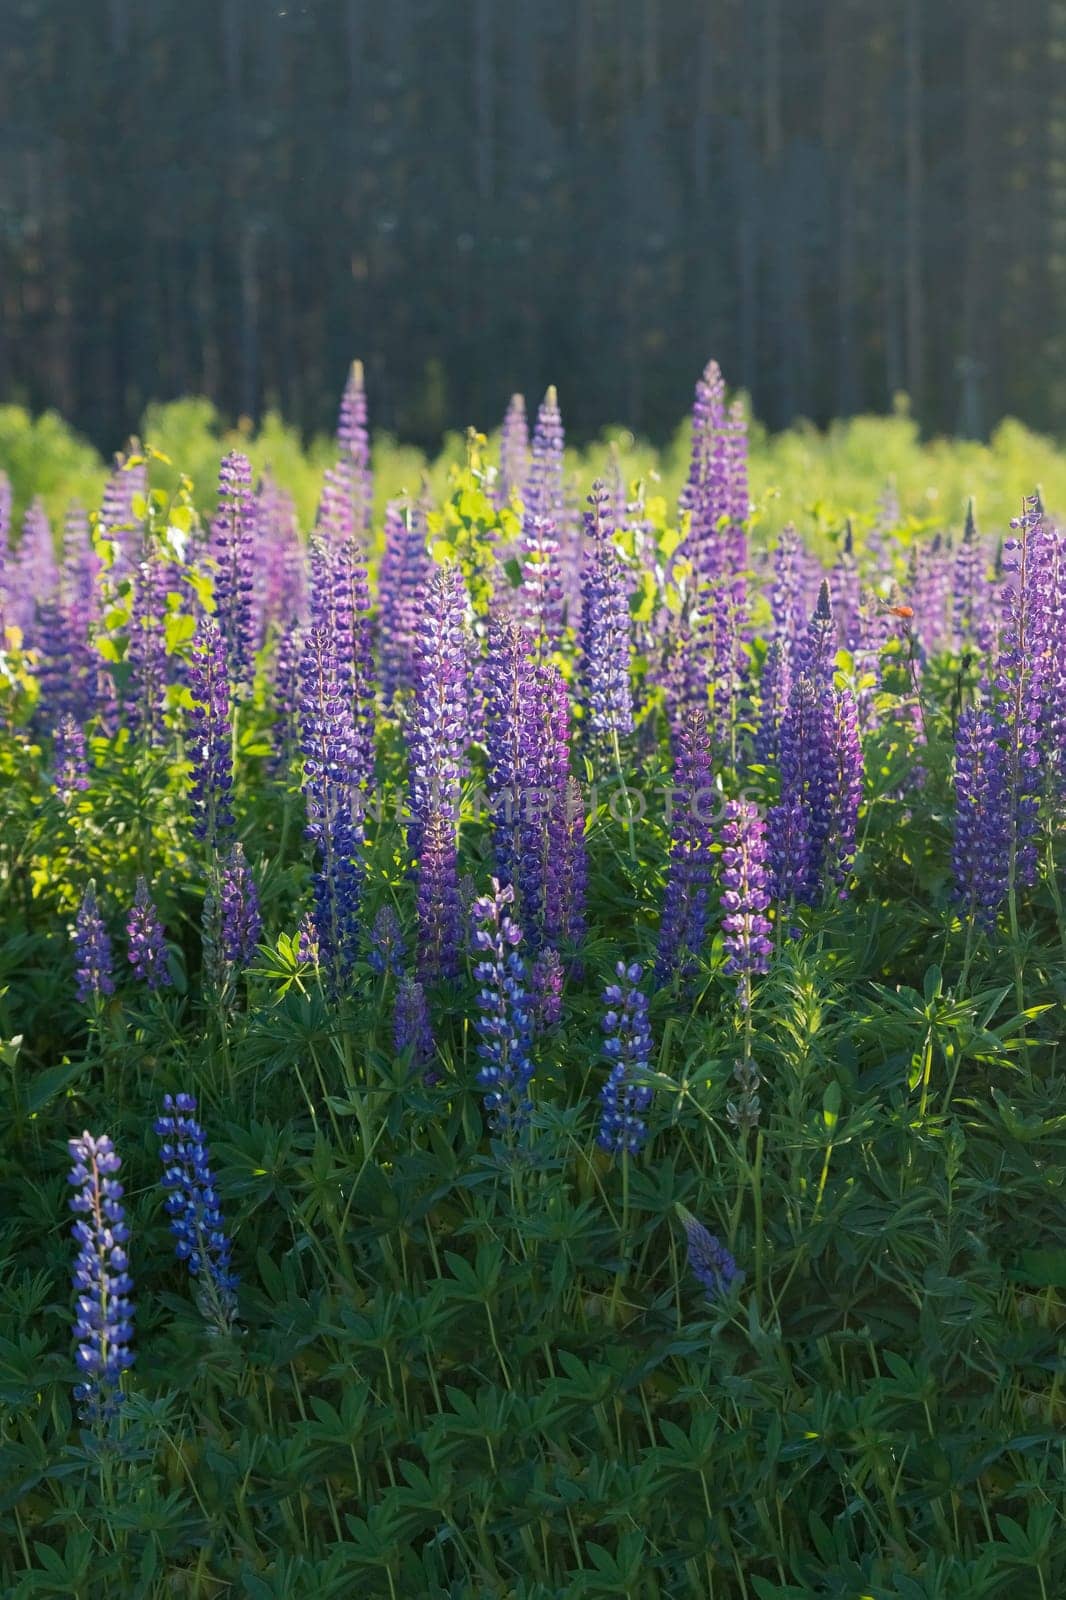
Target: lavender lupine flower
{"x":103,"y":1287}
{"x":503,"y":1022}
{"x":605,"y":625}
{"x":683,"y":928}
{"x":813,"y":655}
{"x":623,"y":1129}
{"x":340,"y":603}
{"x":353,"y":439}
{"x":117,"y":519}
{"x":788,"y":592}
{"x":800,"y":824}
{"x":147,"y":948}
{"x":34,"y":574}
{"x":71,"y":767}
{"x":147,"y":652}
{"x":240,"y":924}
{"x":279,"y":578}
{"x":709,"y":1261}
{"x":543,"y":598}
{"x":775,"y":684}
{"x":514,"y":452}
{"x":411,"y":1027}
{"x":307,"y":941}
{"x":387,"y":949}
{"x":745,"y":896}
{"x":437,"y":744}
{"x":192,"y":1204}
{"x":980,"y":855}
{"x":575,"y":877}
{"x":210,"y":737}
{"x":846,"y":747}
{"x":404,"y":575}
{"x":512,"y":737}
{"x":970,"y":586}
{"x":543,"y":492}
{"x":93,"y":965}
{"x":285,"y":698}
{"x":551,"y":837}
{"x":546,"y":990}
{"x":334,"y":823}
{"x":844,"y":591}
{"x":235,"y":555}
{"x":1025,"y":676}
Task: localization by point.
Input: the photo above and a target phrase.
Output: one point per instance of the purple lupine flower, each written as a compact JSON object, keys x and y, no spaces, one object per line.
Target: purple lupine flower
{"x":708,"y":417}
{"x":387,"y":948}
{"x":542,"y":495}
{"x":240,"y":921}
{"x":147,"y":652}
{"x":34,"y":574}
{"x":117,"y":518}
{"x":71,"y":767}
{"x":503,"y":1021}
{"x":546,"y":990}
{"x":1025,"y":677}
{"x":192,"y":1204}
{"x":745,"y":896}
{"x":404,"y":575}
{"x":846,"y":746}
{"x":514,"y":452}
{"x":549,"y":837}
{"x":210,"y":737}
{"x":605,"y":624}
{"x":236,"y":557}
{"x":575,"y":872}
{"x":969,"y":585}
{"x":278,"y":577}
{"x":813,"y":655}
{"x":285,"y":698}
{"x":353,"y":439}
{"x":307,"y":941}
{"x":334,"y":820}
{"x":844,"y":591}
{"x":411,"y":1027}
{"x":81,"y":565}
{"x":437,"y":744}
{"x":542,"y":599}
{"x":511,"y":739}
{"x":623,"y":1128}
{"x":775,"y":684}
{"x":340,"y":604}
{"x":709,"y":1261}
{"x":683,"y":927}
{"x":103,"y":1287}
{"x":980,"y":857}
{"x":147,"y":948}
{"x":927,"y":590}
{"x":788,"y":592}
{"x":93,"y":965}
{"x":800,"y":824}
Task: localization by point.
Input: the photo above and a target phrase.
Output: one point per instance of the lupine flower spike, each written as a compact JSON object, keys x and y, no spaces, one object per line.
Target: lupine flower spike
{"x":147,"y":948}
{"x":192,"y":1205}
{"x":623,"y":1129}
{"x":503,"y":1003}
{"x":709,"y":1260}
{"x":103,"y":1287}
{"x":92,"y":951}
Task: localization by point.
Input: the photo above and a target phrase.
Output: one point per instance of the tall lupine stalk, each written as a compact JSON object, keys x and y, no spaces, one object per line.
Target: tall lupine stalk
{"x":511,"y":736}
{"x":627,"y":1045}
{"x":209,"y":739}
{"x":93,"y":965}
{"x":542,"y":495}
{"x":552,"y":870}
{"x":340,"y":602}
{"x":147,"y":651}
{"x":439,"y":736}
{"x":503,"y":1022}
{"x":279,"y":578}
{"x":103,"y":1287}
{"x":146,"y":950}
{"x":542,"y":600}
{"x":775,"y":685}
{"x":514,"y":452}
{"x":334,"y":820}
{"x":605,"y":628}
{"x":974,"y":595}
{"x":845,"y":591}
{"x":192,"y":1204}
{"x":683,"y":928}
{"x":1029,"y":635}
{"x":405,"y":571}
{"x":745,"y":897}
{"x":235,"y":554}
{"x":240,"y":922}
{"x":353,"y":440}
{"x":928,"y":591}
{"x":118,"y":522}
{"x":34,"y":573}
{"x":71,"y":769}
{"x":980,"y":857}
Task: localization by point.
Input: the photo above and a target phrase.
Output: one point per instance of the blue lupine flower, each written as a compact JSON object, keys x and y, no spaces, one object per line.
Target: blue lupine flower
{"x":193,"y":1208}
{"x":92,"y":951}
{"x":504,"y":1022}
{"x":411,"y":1027}
{"x":623,"y":1129}
{"x":103,"y":1287}
{"x":387,"y":948}
{"x":241,"y":925}
{"x":147,"y":949}
{"x":708,"y":1258}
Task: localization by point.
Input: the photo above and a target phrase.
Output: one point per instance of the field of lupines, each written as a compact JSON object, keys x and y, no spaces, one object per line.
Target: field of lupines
{"x":530,"y":1027}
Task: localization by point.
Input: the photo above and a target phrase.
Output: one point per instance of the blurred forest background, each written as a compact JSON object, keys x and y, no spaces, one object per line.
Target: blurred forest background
{"x":840,"y":199}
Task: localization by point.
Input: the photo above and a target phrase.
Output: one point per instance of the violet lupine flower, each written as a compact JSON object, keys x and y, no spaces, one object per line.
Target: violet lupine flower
{"x":103,"y":1287}
{"x":814,"y":654}
{"x":788,"y":592}
{"x":147,"y":948}
{"x":604,"y":628}
{"x":846,"y":746}
{"x":1025,"y":677}
{"x":71,"y":767}
{"x":546,"y":990}
{"x":623,"y":1129}
{"x":34,"y":574}
{"x":745,"y":896}
{"x":404,"y":575}
{"x":512,"y":737}
{"x":279,"y":578}
{"x":683,"y":928}
{"x":775,"y":684}
{"x":543,"y":493}
{"x":548,"y":868}
{"x":514,"y":452}
{"x":147,"y":652}
{"x":307,"y":941}
{"x":927,"y":591}
{"x":542,"y":599}
{"x":285,"y":698}
{"x":125,"y":482}
{"x":575,"y":872}
{"x":340,"y":603}
{"x":980,"y":856}
{"x":411,"y":1027}
{"x":235,"y":555}
{"x":192,"y":1204}
{"x":437,"y":744}
{"x":353,"y":439}
{"x":503,"y":1022}
{"x":240,"y":921}
{"x":387,"y":948}
{"x":844,"y":591}
{"x":969,"y":584}
{"x":93,"y":966}
{"x":334,"y":824}
{"x":800,"y":824}
{"x":210,"y":737}
{"x":709,"y":1261}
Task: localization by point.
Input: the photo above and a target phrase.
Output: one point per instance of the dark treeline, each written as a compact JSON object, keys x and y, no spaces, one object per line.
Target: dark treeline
{"x":841,"y":199}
